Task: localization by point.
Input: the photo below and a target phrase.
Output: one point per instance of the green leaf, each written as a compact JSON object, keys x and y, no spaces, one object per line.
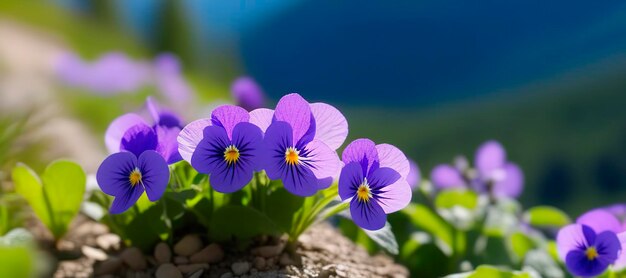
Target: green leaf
{"x":456,"y":197}
{"x":64,"y":188}
{"x":242,"y":223}
{"x":427,"y":220}
{"x":16,"y":261}
{"x":519,"y":245}
{"x":56,"y":198}
{"x":28,"y":185}
{"x":281,"y":207}
{"x":494,"y":272}
{"x":546,"y":216}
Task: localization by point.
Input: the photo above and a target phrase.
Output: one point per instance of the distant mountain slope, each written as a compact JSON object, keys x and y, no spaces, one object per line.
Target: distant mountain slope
{"x":568,"y":135}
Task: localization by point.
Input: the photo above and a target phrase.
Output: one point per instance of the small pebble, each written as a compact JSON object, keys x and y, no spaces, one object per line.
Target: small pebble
{"x":191,"y":268}
{"x":181,"y":260}
{"x":168,"y":271}
{"x":240,"y":268}
{"x":268,"y":251}
{"x":286,"y":260}
{"x":134,"y":258}
{"x":162,"y":253}
{"x":210,"y":254}
{"x":110,"y":266}
{"x":227,"y":275}
{"x":188,"y":245}
{"x":259,"y":263}
{"x":197,"y":274}
{"x":93,"y":253}
{"x":109,"y":241}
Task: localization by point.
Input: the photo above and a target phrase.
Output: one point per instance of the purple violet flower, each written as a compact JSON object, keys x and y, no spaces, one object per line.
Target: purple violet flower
{"x":247,"y":93}
{"x":300,"y":143}
{"x":126,"y":176}
{"x":492,"y":171}
{"x":611,"y":219}
{"x":170,"y":80}
{"x":130,"y":132}
{"x":228,"y":150}
{"x":374,"y":180}
{"x":587,"y":252}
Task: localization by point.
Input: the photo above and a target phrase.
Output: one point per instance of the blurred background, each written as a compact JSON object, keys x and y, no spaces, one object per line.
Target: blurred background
{"x":435,"y":78}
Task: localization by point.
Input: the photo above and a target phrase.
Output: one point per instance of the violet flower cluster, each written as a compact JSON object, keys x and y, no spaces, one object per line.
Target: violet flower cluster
{"x":493,"y":174}
{"x":595,"y":242}
{"x":296,"y":143}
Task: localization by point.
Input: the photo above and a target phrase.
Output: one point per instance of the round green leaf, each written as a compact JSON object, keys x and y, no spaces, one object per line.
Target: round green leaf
{"x":546,"y":216}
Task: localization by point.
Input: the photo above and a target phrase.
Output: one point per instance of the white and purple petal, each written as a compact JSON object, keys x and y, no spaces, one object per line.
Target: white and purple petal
{"x":189,"y":138}
{"x":331,"y":127}
{"x":321,"y":159}
{"x":262,"y":118}
{"x":362,"y":151}
{"x":600,"y":220}
{"x":394,"y":158}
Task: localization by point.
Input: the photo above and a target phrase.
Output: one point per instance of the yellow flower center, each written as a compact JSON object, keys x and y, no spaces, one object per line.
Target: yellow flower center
{"x":363,"y":194}
{"x":292,"y":156}
{"x":231,"y":154}
{"x":591,"y":253}
{"x":134,"y":177}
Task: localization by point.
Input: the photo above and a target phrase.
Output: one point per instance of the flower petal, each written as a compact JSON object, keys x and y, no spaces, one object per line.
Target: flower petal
{"x":228,"y":116}
{"x":331,"y":127}
{"x":294,"y":110}
{"x":367,"y":215}
{"x":247,"y":93}
{"x":209,"y":154}
{"x":571,"y":237}
{"x":620,"y":263}
{"x":350,"y":179}
{"x":578,"y":264}
{"x":600,"y":220}
{"x":446,"y":176}
{"x":138,"y":139}
{"x":394,"y":158}
{"x":489,"y":156}
{"x":168,"y":146}
{"x":262,"y":118}
{"x":392,"y":192}
{"x":414,"y":178}
{"x":608,"y":246}
{"x":321,"y":159}
{"x":155,"y":174}
{"x":512,"y":183}
{"x":117,"y":129}
{"x":278,"y":138}
{"x":126,"y":200}
{"x":362,"y":151}
{"x":190,"y":136}
{"x":113,"y":173}
{"x":248,"y":138}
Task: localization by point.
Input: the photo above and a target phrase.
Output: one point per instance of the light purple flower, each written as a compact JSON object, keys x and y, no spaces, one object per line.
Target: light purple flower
{"x":131,"y":132}
{"x":300,"y":143}
{"x":126,"y":176}
{"x":112,"y":73}
{"x":229,"y":150}
{"x":587,"y":252}
{"x":374,"y":179}
{"x":493,"y":172}
{"x":612,"y":219}
{"x":247,"y":93}
{"x":170,"y":80}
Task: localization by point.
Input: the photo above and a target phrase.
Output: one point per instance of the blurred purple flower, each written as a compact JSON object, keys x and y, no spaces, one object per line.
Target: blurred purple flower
{"x":130,"y":132}
{"x":170,"y":80}
{"x":247,"y":93}
{"x":111,"y":74}
{"x":300,"y":143}
{"x":229,"y":149}
{"x":611,"y":218}
{"x":126,"y":176}
{"x":493,"y":173}
{"x":587,"y":252}
{"x":414,"y":177}
{"x":374,"y":179}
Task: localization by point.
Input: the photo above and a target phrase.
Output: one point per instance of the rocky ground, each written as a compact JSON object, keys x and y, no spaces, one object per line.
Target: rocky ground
{"x":91,"y":251}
